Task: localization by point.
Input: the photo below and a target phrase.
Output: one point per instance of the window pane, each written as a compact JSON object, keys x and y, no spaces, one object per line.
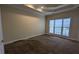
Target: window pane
{"x":58,"y":26}
{"x":58,"y":23}
{"x":51,"y":26}
{"x":66,"y":22}
{"x":58,"y":31}
{"x":66,"y":31}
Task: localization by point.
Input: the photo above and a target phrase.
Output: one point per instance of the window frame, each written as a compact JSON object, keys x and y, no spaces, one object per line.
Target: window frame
{"x":61,"y":26}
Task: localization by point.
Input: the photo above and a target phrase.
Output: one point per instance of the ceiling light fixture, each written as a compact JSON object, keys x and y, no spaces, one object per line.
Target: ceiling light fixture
{"x":42,"y":7}
{"x":39,"y":10}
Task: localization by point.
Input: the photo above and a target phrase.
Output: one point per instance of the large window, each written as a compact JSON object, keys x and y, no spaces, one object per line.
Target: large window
{"x":60,"y":26}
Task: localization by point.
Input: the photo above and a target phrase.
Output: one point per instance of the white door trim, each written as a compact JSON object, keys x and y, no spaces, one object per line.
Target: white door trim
{"x":1,"y":36}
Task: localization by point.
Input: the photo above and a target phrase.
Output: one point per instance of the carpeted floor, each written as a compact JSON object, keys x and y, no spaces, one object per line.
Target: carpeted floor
{"x":43,"y":44}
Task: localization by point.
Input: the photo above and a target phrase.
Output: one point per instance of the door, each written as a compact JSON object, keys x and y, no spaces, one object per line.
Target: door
{"x":1,"y":36}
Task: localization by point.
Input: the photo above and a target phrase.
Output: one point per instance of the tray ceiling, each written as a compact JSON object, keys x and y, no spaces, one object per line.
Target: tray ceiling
{"x":51,"y":8}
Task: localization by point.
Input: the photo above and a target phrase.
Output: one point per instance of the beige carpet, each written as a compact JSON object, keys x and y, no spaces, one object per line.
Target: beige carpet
{"x":44,"y":44}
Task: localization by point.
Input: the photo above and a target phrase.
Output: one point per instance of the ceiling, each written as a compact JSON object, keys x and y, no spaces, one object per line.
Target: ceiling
{"x":52,"y":5}
{"x":48,"y":9}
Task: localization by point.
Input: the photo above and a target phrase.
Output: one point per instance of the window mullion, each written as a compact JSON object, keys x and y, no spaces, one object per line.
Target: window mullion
{"x":54,"y":27}
{"x":62,"y":28}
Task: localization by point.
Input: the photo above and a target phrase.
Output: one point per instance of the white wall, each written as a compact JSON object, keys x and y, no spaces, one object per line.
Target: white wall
{"x":18,"y":24}
{"x":1,"y":36}
{"x":78,"y":29}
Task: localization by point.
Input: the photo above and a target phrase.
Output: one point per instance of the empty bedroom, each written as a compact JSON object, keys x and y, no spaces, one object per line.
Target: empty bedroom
{"x":39,"y":29}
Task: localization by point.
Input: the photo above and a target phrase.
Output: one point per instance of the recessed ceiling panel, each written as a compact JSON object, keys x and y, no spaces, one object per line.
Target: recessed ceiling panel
{"x":52,"y":5}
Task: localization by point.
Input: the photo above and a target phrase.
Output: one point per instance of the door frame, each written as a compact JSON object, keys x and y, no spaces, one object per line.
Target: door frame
{"x":1,"y":36}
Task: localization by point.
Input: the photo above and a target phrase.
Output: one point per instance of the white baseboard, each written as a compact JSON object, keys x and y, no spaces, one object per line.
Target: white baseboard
{"x":27,"y":38}
{"x":21,"y":39}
